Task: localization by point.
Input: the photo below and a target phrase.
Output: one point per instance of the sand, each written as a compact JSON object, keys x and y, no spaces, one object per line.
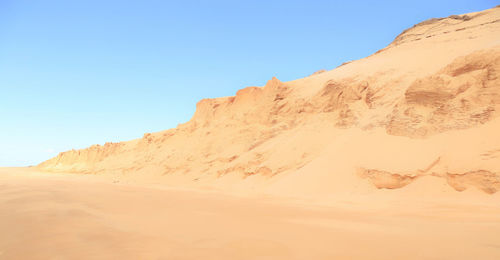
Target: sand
{"x":389,"y":119}
{"x":394,"y":156}
{"x":68,"y":216}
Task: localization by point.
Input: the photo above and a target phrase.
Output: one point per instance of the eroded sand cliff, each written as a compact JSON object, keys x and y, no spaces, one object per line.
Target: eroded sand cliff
{"x":423,"y":111}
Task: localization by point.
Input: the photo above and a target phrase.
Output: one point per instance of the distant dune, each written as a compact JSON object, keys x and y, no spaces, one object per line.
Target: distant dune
{"x":420,"y":115}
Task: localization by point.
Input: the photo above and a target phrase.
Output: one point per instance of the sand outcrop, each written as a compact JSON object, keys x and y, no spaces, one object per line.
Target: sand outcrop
{"x":463,"y":94}
{"x":426,"y":106}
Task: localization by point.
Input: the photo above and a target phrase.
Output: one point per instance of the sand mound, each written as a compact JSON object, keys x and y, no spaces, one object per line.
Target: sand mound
{"x":426,"y":105}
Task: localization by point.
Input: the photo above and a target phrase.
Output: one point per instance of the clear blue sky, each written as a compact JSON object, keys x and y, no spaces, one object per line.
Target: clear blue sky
{"x":76,"y":73}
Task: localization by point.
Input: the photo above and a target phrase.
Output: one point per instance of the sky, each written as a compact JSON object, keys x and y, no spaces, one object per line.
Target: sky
{"x":77,"y":73}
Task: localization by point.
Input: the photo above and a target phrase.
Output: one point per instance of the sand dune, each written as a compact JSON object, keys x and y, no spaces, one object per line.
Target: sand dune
{"x":394,"y":156}
{"x":426,"y":105}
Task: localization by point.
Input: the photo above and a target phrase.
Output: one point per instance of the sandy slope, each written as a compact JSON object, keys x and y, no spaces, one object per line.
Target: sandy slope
{"x":426,"y":105}
{"x":394,"y":156}
{"x":68,"y":216}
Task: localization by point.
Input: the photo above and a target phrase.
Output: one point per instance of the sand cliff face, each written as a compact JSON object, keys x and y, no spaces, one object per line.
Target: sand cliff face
{"x":426,"y":107}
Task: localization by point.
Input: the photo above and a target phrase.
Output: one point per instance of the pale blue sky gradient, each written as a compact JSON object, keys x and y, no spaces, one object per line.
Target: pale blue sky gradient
{"x":76,"y":73}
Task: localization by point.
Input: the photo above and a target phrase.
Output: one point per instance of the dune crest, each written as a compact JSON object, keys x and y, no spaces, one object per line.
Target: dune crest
{"x":427,"y":106}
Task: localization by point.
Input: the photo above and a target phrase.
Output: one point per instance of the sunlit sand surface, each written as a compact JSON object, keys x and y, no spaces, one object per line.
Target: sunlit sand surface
{"x":53,"y":216}
{"x":394,"y":156}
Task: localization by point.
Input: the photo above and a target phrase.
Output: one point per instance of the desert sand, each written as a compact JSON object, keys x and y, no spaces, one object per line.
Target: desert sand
{"x":426,"y":105}
{"x":68,"y":216}
{"x":394,"y":156}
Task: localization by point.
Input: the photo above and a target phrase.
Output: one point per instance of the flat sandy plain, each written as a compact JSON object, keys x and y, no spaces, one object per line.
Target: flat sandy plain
{"x":71,"y":216}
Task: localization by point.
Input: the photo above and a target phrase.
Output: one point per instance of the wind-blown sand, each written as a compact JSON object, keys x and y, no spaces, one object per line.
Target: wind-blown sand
{"x":426,"y":105}
{"x":67,"y":216}
{"x":394,"y":156}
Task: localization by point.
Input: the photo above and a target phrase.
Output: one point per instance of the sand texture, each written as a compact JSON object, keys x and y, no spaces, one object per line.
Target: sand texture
{"x":68,"y":216}
{"x":394,"y":156}
{"x":426,"y":105}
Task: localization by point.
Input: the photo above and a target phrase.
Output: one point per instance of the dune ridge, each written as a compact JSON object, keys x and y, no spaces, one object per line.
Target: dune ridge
{"x":425,"y":107}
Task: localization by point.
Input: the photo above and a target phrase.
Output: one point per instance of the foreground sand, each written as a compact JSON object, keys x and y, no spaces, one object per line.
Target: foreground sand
{"x":69,"y":216}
